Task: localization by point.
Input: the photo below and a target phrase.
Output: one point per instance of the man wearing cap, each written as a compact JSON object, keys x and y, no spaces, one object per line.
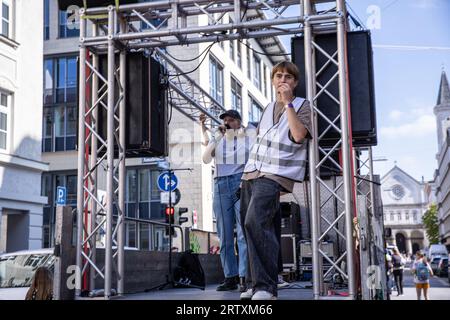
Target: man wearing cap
{"x":230,"y":146}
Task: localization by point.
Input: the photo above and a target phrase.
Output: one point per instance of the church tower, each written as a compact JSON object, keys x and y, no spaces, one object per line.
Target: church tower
{"x":442,"y":110}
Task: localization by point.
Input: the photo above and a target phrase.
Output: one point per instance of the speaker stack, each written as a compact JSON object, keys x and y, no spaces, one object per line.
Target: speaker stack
{"x":362,"y":92}
{"x":146,"y":107}
{"x":290,"y":234}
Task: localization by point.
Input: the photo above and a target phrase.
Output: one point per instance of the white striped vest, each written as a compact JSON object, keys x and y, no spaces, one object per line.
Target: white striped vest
{"x":274,"y":152}
{"x":232,"y":151}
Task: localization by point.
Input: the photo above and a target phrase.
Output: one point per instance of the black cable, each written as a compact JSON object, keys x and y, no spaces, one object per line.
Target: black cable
{"x":193,"y":70}
{"x":245,"y":11}
{"x":171,"y":104}
{"x":355,"y":18}
{"x":189,"y":60}
{"x":263,"y":53}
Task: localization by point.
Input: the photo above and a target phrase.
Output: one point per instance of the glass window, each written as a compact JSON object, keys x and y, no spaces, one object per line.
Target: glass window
{"x":232,"y":49}
{"x":60,"y":110}
{"x":144,"y":185}
{"x":157,"y":23}
{"x":60,"y":128}
{"x":68,"y":27}
{"x":49,"y":183}
{"x":239,"y":54}
{"x":5,"y":20}
{"x":4,"y":111}
{"x":271,"y":91}
{"x":216,"y":79}
{"x":131,"y":186}
{"x":392,"y":216}
{"x":131,"y":234}
{"x":48,"y":81}
{"x":264,"y":76}
{"x":144,"y":234}
{"x":255,"y":110}
{"x":155,"y":193}
{"x":46,"y":19}
{"x":249,"y":67}
{"x":236,"y":95}
{"x":61,"y":79}
{"x":257,"y":71}
{"x":143,"y":201}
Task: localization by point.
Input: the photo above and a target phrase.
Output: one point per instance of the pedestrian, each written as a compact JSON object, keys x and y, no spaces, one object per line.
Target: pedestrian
{"x":277,"y":160}
{"x":389,"y":270}
{"x":230,"y":147}
{"x":398,"y":263}
{"x":422,"y":273}
{"x":41,"y":286}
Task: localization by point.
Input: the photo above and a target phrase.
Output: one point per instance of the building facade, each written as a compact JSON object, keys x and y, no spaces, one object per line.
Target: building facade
{"x":404,"y":203}
{"x":21,"y":166}
{"x":442,"y":174}
{"x":235,"y":75}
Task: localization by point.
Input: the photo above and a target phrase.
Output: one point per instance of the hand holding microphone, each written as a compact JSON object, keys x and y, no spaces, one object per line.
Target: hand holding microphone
{"x":284,"y":93}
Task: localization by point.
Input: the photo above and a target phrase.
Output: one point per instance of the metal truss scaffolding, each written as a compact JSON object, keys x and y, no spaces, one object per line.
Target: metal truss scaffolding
{"x":116,"y":30}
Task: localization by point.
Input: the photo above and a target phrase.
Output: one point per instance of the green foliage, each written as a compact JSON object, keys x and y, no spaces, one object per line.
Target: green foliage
{"x":431,"y":224}
{"x":194,"y":244}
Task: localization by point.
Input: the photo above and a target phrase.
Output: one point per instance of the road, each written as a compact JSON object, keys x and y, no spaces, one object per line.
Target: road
{"x":439,"y":288}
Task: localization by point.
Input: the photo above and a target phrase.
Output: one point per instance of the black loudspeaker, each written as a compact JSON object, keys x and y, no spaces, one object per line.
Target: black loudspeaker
{"x":146,"y":106}
{"x":64,"y":4}
{"x":289,"y":251}
{"x":362,"y":92}
{"x":290,"y":218}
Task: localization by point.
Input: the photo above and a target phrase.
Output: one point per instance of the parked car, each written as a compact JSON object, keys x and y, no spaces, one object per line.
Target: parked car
{"x":434,"y":262}
{"x":442,"y":269}
{"x":17,"y":270}
{"x":437,"y":250}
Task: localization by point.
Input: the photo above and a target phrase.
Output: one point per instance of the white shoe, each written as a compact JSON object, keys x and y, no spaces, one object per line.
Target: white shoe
{"x":281,"y":283}
{"x":263,"y":295}
{"x":247,"y":295}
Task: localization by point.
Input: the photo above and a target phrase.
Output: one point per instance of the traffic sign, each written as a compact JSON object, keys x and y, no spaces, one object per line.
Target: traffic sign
{"x":176,"y":197}
{"x":61,"y":193}
{"x":167,"y":183}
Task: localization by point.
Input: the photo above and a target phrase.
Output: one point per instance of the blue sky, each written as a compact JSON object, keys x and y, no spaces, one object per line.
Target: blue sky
{"x":406,"y":79}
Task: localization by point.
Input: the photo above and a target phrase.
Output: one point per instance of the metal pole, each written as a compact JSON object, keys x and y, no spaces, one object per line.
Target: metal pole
{"x":110,"y":152}
{"x":372,"y":191}
{"x":315,"y":200}
{"x":122,"y":169}
{"x":346,"y":158}
{"x":93,"y":161}
{"x":81,"y":150}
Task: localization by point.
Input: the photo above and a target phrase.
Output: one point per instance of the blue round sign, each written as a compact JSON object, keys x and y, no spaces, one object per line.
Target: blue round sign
{"x":165,"y":183}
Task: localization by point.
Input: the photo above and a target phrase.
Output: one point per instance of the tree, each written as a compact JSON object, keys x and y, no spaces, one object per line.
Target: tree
{"x":431,"y":224}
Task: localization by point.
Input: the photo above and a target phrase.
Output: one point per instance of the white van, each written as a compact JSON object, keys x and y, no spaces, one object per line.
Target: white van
{"x":436,"y":250}
{"x":17,"y":270}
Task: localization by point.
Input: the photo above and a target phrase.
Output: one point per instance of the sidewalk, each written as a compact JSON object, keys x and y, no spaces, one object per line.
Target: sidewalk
{"x":439,"y":290}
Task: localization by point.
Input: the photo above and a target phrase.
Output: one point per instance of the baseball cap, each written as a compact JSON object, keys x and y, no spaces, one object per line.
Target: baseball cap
{"x":231,"y":113}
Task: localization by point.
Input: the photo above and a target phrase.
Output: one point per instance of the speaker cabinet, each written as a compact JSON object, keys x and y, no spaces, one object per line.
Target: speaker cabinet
{"x":146,"y":107}
{"x":65,"y":4}
{"x":290,"y":218}
{"x":362,"y":93}
{"x":289,"y":251}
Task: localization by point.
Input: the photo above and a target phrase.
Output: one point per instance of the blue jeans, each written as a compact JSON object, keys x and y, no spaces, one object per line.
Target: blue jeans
{"x":226,"y":209}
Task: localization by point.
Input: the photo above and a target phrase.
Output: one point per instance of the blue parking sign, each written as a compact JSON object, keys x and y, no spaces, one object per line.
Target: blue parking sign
{"x":167,"y":182}
{"x":61,"y":193}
